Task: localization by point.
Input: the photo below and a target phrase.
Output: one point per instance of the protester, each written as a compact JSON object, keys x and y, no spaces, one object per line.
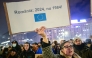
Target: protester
{"x":27,"y":53}
{"x":37,"y":49}
{"x":67,"y":50}
{"x":81,"y":48}
{"x":16,"y":46}
{"x":13,"y":54}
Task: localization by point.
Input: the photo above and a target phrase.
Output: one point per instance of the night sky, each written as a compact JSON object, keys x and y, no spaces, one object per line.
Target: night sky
{"x":79,"y":9}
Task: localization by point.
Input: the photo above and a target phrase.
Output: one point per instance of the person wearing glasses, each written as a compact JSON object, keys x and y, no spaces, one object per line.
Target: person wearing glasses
{"x":67,"y":50}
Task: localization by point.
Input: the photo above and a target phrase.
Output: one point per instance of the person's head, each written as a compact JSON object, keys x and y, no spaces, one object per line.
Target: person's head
{"x":13,"y":52}
{"x":62,"y":41}
{"x":26,"y":46}
{"x":71,"y":40}
{"x":67,"y":48}
{"x":5,"y":51}
{"x":58,"y":46}
{"x":39,"y":44}
{"x":88,"y":42}
{"x":77,"y":41}
{"x":55,"y":42}
{"x":14,"y":43}
{"x":35,"y":44}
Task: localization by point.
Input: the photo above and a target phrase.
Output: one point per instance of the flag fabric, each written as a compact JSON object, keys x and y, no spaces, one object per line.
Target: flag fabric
{"x":40,"y":17}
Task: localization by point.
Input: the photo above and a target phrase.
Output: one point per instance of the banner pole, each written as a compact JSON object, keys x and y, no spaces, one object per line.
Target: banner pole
{"x":7,"y":18}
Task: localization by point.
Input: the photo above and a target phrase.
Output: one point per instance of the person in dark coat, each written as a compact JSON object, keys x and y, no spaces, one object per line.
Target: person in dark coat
{"x":81,"y":48}
{"x":88,"y":44}
{"x":5,"y":52}
{"x":12,"y":54}
{"x":16,"y":46}
{"x":55,"y":47}
{"x":27,"y":53}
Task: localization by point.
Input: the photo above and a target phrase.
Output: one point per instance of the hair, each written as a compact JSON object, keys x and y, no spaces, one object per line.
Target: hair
{"x":27,"y":43}
{"x":35,"y":43}
{"x":71,"y":39}
{"x":88,"y":41}
{"x":77,"y":38}
{"x":61,"y":46}
{"x":15,"y":42}
{"x":55,"y":42}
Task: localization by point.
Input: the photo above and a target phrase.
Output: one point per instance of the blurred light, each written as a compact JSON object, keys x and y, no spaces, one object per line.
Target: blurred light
{"x":77,"y":26}
{"x":57,"y":36}
{"x":65,"y":33}
{"x":25,"y":40}
{"x":14,"y":35}
{"x":49,"y":32}
{"x":59,"y":33}
{"x":22,"y":37}
{"x":87,"y":29}
{"x":76,"y":21}
{"x":24,"y":33}
{"x":3,"y":36}
{"x":86,"y":24}
{"x":84,"y":30}
{"x":55,"y":31}
{"x":78,"y":35}
{"x":83,"y":20}
{"x":60,"y":39}
{"x":5,"y":42}
{"x":8,"y":41}
{"x":31,"y":39}
{"x":60,"y":30}
{"x":8,"y":37}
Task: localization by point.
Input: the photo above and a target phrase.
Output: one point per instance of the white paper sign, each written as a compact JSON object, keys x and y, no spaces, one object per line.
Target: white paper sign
{"x":29,"y":15}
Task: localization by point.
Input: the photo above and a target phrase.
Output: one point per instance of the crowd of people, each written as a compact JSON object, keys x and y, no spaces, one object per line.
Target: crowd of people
{"x":72,"y":48}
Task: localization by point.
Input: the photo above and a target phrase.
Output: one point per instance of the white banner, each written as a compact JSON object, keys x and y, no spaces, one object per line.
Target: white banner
{"x":29,"y":15}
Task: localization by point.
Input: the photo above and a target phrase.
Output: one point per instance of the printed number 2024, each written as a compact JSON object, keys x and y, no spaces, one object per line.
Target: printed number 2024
{"x":39,"y":9}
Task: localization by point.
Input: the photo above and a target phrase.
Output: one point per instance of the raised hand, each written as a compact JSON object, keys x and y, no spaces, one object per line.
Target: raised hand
{"x":41,"y":31}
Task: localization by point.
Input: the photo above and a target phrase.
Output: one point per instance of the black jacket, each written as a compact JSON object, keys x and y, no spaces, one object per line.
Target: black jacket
{"x":27,"y":54}
{"x":83,"y":51}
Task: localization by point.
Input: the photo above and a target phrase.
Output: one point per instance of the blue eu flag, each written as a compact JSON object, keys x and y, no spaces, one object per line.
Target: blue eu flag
{"x":40,"y":17}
